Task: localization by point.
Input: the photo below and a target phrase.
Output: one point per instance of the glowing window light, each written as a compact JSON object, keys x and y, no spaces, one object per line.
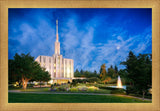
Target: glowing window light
{"x":68,"y":71}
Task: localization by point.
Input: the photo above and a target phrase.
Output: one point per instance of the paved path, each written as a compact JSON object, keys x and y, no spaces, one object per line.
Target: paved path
{"x":18,"y":91}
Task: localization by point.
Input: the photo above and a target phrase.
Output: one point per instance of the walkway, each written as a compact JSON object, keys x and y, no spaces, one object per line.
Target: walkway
{"x":18,"y":91}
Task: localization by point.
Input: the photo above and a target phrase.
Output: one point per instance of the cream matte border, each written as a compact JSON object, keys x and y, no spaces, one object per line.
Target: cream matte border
{"x":5,"y":4}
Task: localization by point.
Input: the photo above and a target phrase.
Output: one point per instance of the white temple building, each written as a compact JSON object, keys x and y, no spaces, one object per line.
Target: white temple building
{"x":60,"y":69}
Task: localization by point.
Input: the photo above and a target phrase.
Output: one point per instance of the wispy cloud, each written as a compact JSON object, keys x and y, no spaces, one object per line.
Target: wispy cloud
{"x":90,"y":43}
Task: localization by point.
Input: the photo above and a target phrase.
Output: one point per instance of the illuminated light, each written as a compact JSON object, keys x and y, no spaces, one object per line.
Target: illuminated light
{"x":51,"y":81}
{"x":119,"y":83}
{"x":54,"y":65}
{"x":15,"y":84}
{"x":150,"y":90}
{"x":36,"y":83}
{"x":68,"y":71}
{"x":54,"y":70}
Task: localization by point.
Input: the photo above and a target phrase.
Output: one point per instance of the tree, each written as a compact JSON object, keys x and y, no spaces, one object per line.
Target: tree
{"x":139,"y":72}
{"x":116,"y":69}
{"x":131,"y":64}
{"x":107,"y":79}
{"x":25,"y":67}
{"x":103,"y":72}
{"x":87,"y":74}
{"x":95,"y":72}
{"x":111,"y":72}
{"x":111,"y":67}
{"x":42,"y":75}
{"x":81,"y":72}
{"x":124,"y":74}
{"x":13,"y":77}
{"x":77,"y":73}
{"x":143,"y":73}
{"x":93,"y":79}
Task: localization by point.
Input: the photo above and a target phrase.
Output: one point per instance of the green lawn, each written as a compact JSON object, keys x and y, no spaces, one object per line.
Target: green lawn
{"x":36,"y":90}
{"x":69,"y":98}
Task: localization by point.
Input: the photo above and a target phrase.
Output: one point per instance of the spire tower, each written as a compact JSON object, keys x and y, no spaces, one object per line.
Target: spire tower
{"x":56,"y":30}
{"x":57,"y":43}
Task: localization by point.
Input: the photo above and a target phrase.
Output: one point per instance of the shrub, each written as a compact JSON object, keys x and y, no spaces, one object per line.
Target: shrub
{"x":73,"y":89}
{"x":108,"y":88}
{"x":12,"y":86}
{"x":92,"y":88}
{"x":30,"y":85}
{"x":74,"y":82}
{"x":130,"y":90}
{"x":52,"y":86}
{"x":118,"y":91}
{"x":93,"y":79}
{"x":60,"y":88}
{"x":49,"y":83}
{"x":112,"y":81}
{"x":54,"y":89}
{"x":41,"y":83}
{"x":82,"y":88}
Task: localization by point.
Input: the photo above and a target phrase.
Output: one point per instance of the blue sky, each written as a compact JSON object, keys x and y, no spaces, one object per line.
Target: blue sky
{"x":89,"y":36}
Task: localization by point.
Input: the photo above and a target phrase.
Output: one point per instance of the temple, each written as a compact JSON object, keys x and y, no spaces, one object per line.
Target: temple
{"x":61,"y":69}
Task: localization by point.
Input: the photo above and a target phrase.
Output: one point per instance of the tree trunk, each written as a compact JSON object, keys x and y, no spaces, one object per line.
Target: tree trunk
{"x":19,"y":83}
{"x":143,"y":95}
{"x":24,"y":82}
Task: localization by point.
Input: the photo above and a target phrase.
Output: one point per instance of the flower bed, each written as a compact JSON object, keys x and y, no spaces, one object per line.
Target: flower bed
{"x":74,"y":89}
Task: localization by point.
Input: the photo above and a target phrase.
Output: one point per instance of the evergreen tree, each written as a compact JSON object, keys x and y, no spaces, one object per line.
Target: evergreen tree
{"x":116,"y":69}
{"x":131,"y":63}
{"x":111,"y":67}
{"x":139,"y":72}
{"x":82,"y":72}
{"x":95,"y":72}
{"x":77,"y":73}
{"x":111,"y":72}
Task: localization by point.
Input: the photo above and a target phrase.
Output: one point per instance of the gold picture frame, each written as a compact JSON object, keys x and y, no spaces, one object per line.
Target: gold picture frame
{"x":5,"y":4}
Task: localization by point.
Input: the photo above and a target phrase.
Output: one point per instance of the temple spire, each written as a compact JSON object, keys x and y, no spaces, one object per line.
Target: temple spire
{"x":56,"y":30}
{"x":57,"y":43}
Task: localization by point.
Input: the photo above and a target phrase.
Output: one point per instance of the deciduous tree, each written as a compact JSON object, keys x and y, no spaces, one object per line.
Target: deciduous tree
{"x":25,"y":68}
{"x":103,"y":72}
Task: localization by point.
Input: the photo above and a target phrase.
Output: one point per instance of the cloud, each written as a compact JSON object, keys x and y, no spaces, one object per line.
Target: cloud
{"x":89,"y":43}
{"x":38,"y":39}
{"x":78,"y":44}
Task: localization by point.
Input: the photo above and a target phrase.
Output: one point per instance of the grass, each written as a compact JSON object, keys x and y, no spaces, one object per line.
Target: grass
{"x":32,"y":89}
{"x":69,"y":98}
{"x":35,"y":90}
